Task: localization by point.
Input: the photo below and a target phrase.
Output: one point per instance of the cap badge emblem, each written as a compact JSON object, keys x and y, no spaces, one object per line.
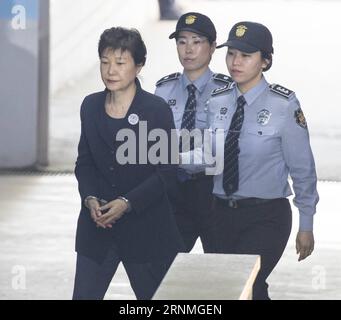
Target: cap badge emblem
{"x":240,"y":31}
{"x":190,"y":19}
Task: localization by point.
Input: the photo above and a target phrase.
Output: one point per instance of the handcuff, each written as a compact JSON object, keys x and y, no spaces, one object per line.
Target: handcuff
{"x":103,"y":202}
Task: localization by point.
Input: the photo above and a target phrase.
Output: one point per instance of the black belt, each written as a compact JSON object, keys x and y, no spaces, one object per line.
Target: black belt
{"x":247,"y":202}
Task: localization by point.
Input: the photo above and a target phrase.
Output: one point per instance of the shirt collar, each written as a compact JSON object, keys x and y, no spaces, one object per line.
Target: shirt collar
{"x":251,"y":95}
{"x":199,"y":83}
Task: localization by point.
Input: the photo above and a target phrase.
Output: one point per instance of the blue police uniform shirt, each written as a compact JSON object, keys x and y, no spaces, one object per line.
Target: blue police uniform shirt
{"x":173,"y":89}
{"x":274,"y":142}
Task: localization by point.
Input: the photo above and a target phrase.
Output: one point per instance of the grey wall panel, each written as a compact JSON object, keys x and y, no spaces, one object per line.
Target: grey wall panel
{"x":19,"y":83}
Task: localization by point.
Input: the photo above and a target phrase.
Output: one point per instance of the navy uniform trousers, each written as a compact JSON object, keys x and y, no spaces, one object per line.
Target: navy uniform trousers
{"x":193,"y":212}
{"x":261,"y":229}
{"x":93,"y":279}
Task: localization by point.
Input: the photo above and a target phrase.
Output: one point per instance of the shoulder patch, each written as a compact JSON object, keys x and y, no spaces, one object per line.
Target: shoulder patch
{"x":170,"y":77}
{"x":220,"y":90}
{"x":284,"y":92}
{"x":222,"y":78}
{"x":300,"y":118}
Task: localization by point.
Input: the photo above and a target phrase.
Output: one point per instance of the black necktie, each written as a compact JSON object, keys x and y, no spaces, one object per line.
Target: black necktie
{"x":188,"y":118}
{"x":231,"y":150}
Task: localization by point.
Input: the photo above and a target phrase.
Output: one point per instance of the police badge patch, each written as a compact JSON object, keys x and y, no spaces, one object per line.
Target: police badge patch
{"x":223,"y":110}
{"x":300,"y":118}
{"x":263,"y":117}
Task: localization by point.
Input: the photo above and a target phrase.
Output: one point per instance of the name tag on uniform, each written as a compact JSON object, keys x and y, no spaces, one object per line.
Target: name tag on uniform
{"x":172,"y":102}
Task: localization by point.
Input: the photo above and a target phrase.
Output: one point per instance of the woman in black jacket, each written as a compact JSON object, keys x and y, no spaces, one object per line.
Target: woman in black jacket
{"x":125,"y":215}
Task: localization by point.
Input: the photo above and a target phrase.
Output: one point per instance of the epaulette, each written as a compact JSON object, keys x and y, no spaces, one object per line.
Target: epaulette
{"x":220,"y":90}
{"x":222,"y":77}
{"x":170,"y":77}
{"x":284,"y":92}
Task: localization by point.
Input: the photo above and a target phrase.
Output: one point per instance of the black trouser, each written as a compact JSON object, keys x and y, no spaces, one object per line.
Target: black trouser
{"x":261,"y":229}
{"x":193,"y":212}
{"x":92,"y":279}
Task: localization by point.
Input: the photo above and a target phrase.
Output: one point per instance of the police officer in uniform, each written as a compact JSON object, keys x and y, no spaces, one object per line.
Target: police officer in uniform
{"x":265,"y":140}
{"x":187,"y":94}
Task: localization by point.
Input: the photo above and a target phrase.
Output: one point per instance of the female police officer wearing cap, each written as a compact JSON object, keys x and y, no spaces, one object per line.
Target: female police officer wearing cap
{"x":266,"y":139}
{"x":187,"y":95}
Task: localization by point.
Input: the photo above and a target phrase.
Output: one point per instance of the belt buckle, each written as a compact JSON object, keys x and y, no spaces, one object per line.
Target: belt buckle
{"x":233,"y":203}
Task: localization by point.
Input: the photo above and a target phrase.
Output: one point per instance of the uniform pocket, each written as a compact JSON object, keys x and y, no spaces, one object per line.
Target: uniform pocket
{"x":260,"y":142}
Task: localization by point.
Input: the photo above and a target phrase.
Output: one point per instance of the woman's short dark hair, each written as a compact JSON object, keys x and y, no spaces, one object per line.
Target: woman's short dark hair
{"x":267,"y":56}
{"x":124,"y":39}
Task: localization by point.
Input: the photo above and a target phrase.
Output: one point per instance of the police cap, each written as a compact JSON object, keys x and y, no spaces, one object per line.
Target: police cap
{"x":197,"y":23}
{"x":249,"y":37}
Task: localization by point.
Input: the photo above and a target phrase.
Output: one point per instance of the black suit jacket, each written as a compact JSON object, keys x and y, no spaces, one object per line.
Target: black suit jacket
{"x":148,"y":232}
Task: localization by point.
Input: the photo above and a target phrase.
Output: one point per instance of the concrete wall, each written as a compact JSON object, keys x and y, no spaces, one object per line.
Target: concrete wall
{"x":18,"y":85}
{"x":76,"y":27}
{"x":73,"y":34}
